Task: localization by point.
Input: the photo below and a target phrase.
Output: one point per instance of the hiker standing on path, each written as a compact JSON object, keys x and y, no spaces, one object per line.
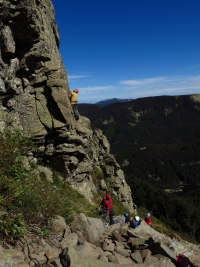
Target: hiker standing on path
{"x":109,"y":208}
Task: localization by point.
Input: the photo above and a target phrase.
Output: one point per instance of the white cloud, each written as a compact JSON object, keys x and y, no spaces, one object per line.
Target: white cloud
{"x":194,"y":66}
{"x":145,"y":81}
{"x":70,"y":77}
{"x":161,"y":86}
{"x":96,"y":89}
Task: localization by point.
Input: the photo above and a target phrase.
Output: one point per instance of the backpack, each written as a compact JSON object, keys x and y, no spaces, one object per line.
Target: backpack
{"x":183,"y":261}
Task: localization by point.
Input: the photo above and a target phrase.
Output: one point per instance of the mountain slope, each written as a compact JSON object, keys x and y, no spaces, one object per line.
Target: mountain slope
{"x":111,"y":101}
{"x":154,"y":138}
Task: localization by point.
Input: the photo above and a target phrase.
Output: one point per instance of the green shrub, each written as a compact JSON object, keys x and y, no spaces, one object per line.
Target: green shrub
{"x":13,"y":146}
{"x":25,"y":199}
{"x":12,"y":225}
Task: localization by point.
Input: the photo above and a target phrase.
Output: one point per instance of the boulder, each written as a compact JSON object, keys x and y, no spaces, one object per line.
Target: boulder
{"x":97,"y":223}
{"x":108,"y":245}
{"x":160,"y":248}
{"x":136,"y":256}
{"x":80,"y":223}
{"x":91,"y":234}
{"x":72,"y":258}
{"x":70,"y":240}
{"x":121,"y":259}
{"x":89,"y":250}
{"x":59,"y":224}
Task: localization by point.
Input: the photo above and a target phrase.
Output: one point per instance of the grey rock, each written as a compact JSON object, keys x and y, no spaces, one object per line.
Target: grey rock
{"x":80,"y":223}
{"x":52,"y":254}
{"x":97,"y":223}
{"x":59,"y":224}
{"x":108,"y":245}
{"x":2,"y":86}
{"x":91,"y":234}
{"x":47,"y":172}
{"x":89,"y":250}
{"x":71,"y":257}
{"x":70,"y":240}
{"x":124,"y":252}
{"x":121,"y":259}
{"x":136,"y":257}
{"x":160,"y":248}
{"x":8,"y":40}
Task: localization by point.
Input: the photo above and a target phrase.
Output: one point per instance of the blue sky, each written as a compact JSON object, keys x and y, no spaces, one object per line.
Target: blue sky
{"x":130,"y":48}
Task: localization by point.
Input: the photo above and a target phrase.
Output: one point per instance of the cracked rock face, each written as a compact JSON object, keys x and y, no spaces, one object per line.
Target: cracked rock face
{"x":34,"y":97}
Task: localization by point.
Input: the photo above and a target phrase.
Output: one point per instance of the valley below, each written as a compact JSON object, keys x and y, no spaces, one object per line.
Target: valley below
{"x":156,"y":141}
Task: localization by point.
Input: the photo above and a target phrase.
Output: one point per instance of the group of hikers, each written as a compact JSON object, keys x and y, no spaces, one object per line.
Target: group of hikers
{"x":108,"y":214}
{"x":134,"y":222}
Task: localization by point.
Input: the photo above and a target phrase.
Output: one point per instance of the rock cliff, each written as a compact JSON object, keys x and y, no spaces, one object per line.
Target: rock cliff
{"x":34,"y":97}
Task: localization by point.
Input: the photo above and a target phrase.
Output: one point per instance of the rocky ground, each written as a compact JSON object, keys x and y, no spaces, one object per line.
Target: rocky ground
{"x":87,"y":242}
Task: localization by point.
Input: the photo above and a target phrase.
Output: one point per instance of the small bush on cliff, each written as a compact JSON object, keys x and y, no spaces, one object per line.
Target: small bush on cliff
{"x":13,"y":145}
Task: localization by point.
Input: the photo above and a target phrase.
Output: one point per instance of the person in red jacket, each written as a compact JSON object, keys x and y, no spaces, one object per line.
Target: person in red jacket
{"x":109,"y":208}
{"x":147,"y":219}
{"x":108,"y":197}
{"x":183,"y":260}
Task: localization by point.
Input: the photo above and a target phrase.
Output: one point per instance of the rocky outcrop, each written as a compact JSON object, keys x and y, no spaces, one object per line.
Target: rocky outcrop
{"x":86,"y":242}
{"x":34,"y":97}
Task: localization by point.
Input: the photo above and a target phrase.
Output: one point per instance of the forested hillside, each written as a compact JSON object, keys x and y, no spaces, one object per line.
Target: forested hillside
{"x":182,"y":214}
{"x":156,"y":138}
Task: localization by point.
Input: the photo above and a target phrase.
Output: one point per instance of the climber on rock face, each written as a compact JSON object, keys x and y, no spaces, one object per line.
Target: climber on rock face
{"x":74,"y":96}
{"x":73,"y":99}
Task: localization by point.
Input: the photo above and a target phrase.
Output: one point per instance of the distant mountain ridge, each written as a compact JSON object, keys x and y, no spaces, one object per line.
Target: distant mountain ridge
{"x":154,"y":138}
{"x":111,"y":101}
